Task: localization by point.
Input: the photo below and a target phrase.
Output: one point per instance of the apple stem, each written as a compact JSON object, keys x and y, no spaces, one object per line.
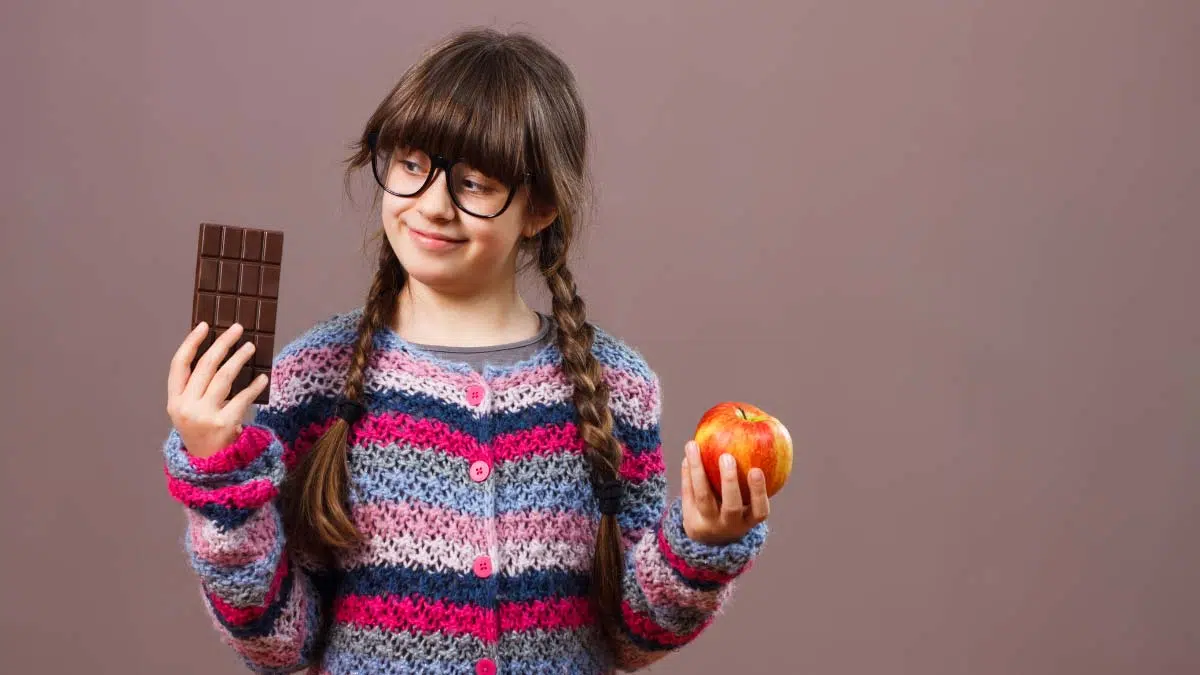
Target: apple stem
{"x":741,"y":413}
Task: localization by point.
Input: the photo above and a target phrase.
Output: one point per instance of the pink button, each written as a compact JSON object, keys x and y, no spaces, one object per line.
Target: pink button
{"x":475,"y":394}
{"x":485,"y":667}
{"x":480,"y":470}
{"x":483,"y":567}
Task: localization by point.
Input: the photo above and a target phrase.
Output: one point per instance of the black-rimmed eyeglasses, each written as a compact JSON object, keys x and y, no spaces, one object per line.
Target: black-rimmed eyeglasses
{"x":407,"y":172}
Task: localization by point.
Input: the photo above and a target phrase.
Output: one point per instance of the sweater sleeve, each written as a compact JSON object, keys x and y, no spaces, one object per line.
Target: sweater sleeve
{"x":261,"y":602}
{"x":673,"y":587}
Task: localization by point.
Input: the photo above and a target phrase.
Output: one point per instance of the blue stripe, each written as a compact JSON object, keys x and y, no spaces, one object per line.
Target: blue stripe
{"x":344,"y":661}
{"x":463,"y":588}
{"x":580,"y":662}
{"x":225,"y":517}
{"x":473,"y":499}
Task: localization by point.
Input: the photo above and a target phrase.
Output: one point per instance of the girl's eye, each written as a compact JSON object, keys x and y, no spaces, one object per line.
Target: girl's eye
{"x":411,"y":166}
{"x":478,"y":186}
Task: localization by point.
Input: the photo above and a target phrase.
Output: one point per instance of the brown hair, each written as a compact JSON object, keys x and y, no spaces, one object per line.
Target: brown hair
{"x":510,"y":106}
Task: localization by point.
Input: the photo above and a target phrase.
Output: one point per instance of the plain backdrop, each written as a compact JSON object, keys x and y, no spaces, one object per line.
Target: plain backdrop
{"x":952,"y":245}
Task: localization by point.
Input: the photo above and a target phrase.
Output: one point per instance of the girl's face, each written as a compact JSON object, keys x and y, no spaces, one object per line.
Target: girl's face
{"x":452,"y":251}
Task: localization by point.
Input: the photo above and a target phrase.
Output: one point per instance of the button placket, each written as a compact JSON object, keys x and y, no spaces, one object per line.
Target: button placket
{"x":482,"y":471}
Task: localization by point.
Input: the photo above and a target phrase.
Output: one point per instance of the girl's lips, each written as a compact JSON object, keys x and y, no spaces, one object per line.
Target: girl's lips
{"x":433,"y":242}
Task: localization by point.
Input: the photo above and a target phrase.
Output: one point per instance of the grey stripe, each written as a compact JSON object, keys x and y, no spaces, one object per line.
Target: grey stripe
{"x":387,"y":645}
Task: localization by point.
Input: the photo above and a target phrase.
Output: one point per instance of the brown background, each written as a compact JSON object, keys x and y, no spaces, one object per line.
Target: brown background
{"x":953,"y":245}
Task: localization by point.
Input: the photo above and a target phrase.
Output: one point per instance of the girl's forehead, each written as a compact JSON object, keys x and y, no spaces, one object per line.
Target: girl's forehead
{"x":497,"y":162}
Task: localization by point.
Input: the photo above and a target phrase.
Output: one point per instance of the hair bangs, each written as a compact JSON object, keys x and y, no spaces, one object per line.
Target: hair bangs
{"x":465,"y":108}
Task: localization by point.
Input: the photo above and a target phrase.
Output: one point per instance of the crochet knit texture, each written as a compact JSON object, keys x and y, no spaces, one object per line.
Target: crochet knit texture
{"x":478,"y":515}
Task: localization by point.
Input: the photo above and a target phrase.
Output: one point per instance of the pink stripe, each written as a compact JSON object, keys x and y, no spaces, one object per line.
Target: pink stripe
{"x":398,"y":361}
{"x":545,"y":614}
{"x":246,"y":448}
{"x":646,"y":628}
{"x":542,"y":440}
{"x":640,"y":467}
{"x":388,"y":520}
{"x":685,"y":569}
{"x":568,"y":526}
{"x":400,"y":428}
{"x":622,"y":383}
{"x":642,"y":395}
{"x":542,"y":376}
{"x":418,"y":614}
{"x":396,"y":368}
{"x":249,"y":542}
{"x":390,"y":428}
{"x":292,"y":454}
{"x":249,"y":495}
{"x":240,"y":616}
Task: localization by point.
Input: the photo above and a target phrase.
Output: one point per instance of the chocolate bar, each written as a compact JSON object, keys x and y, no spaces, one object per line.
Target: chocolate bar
{"x":237,"y":281}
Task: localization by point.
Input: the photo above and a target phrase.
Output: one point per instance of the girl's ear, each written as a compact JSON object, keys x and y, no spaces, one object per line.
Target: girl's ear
{"x":540,"y":217}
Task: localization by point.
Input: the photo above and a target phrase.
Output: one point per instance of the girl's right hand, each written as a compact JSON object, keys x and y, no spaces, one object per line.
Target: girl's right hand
{"x":206,"y":422}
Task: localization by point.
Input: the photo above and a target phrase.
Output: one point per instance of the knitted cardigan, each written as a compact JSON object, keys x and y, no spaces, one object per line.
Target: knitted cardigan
{"x":478,"y":516}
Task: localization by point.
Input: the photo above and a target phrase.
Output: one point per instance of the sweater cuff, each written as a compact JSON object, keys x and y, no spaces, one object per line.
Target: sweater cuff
{"x":698,"y":562}
{"x":254,"y":455}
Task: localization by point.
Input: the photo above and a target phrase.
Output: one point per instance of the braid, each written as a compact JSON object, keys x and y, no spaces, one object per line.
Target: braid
{"x":575,"y":339}
{"x":316,"y":496}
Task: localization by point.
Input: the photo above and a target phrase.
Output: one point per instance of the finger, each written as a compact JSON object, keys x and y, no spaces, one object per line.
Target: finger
{"x":181,"y":363}
{"x":702,"y":496}
{"x":760,"y":506}
{"x":685,"y":486}
{"x":239,"y":404}
{"x":731,"y":492}
{"x":207,"y":365}
{"x":218,"y":390}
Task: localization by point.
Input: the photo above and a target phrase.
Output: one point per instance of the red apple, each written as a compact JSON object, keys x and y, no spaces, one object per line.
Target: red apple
{"x":754,"y":438}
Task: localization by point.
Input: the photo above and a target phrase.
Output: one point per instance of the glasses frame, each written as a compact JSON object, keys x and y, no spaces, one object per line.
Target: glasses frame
{"x":440,"y":163}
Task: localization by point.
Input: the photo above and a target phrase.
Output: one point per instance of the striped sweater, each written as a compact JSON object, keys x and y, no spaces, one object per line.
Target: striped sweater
{"x":478,"y":516}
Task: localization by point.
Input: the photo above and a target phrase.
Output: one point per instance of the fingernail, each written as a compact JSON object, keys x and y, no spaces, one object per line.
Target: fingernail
{"x":727,"y":461}
{"x":693,"y":452}
{"x":202,"y":324}
{"x":757,"y":476}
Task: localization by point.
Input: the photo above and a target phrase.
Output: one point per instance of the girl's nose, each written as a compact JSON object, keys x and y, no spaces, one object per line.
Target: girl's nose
{"x":435,"y":203}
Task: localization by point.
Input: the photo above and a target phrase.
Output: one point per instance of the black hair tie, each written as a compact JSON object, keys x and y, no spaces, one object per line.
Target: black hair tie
{"x":609,"y":494}
{"x":351,"y":411}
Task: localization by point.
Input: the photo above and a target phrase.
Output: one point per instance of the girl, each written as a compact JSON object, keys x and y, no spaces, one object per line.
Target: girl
{"x":445,"y":480}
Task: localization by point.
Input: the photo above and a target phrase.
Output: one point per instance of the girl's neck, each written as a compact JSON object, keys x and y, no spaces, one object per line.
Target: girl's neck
{"x":425,"y":316}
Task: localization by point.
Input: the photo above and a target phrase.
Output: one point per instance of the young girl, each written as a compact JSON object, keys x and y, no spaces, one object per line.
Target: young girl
{"x":445,"y":480}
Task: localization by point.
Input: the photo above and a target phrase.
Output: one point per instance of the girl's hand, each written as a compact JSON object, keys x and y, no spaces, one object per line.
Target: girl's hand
{"x":196,"y":400}
{"x":709,"y":521}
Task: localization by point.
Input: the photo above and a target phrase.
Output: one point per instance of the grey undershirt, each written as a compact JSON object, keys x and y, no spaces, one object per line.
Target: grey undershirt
{"x":497,"y":355}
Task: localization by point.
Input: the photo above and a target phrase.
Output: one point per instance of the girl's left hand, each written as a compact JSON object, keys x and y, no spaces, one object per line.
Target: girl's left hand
{"x":709,"y":521}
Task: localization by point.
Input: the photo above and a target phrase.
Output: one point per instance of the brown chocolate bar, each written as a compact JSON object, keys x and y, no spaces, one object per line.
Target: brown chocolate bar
{"x":237,"y":281}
